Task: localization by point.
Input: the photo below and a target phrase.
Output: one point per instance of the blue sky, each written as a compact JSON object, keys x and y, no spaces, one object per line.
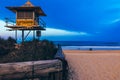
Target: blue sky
{"x":79,"y":20}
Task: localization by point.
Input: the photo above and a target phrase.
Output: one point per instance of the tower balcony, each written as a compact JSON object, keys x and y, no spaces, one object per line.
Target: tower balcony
{"x":25,"y":24}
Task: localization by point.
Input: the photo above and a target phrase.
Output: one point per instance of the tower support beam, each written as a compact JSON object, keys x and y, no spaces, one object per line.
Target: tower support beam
{"x":22,"y":36}
{"x":33,"y":34}
{"x":16,"y":35}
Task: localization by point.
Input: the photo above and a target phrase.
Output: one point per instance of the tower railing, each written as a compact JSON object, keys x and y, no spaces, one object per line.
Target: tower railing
{"x":42,"y":23}
{"x":12,"y":22}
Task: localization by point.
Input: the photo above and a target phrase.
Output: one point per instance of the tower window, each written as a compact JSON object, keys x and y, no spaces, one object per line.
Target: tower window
{"x":24,"y":15}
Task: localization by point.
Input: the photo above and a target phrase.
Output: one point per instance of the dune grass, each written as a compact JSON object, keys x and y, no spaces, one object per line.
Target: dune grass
{"x":27,"y":51}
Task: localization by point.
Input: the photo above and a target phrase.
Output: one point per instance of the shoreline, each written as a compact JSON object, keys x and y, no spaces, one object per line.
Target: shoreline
{"x":91,"y":47}
{"x":93,"y":51}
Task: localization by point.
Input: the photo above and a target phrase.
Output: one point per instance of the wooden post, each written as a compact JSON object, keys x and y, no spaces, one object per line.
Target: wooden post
{"x":16,"y":35}
{"x":33,"y":35}
{"x":22,"y":36}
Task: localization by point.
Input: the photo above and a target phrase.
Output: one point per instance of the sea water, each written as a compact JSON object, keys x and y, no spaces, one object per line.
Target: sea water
{"x":88,"y":45}
{"x":91,"y":47}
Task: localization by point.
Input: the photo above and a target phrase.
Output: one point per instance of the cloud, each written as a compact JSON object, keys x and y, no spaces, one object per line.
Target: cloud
{"x":112,"y":21}
{"x":84,"y":34}
{"x":115,"y":21}
{"x":58,"y":32}
{"x":2,"y":24}
{"x":3,"y":31}
{"x":48,"y":32}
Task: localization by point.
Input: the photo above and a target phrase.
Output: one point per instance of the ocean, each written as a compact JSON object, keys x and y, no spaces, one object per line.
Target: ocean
{"x":88,"y":45}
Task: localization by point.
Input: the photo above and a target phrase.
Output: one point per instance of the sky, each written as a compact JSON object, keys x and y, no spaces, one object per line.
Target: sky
{"x":72,"y":20}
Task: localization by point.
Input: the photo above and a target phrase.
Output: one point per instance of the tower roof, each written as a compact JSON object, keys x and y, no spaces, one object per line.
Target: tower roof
{"x":28,"y":4}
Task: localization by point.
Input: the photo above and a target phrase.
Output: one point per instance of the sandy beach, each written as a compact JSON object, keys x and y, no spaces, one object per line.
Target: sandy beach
{"x":94,"y":65}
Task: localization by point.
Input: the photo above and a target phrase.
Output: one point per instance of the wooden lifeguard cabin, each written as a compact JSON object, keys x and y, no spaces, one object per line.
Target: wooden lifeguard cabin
{"x":27,"y":18}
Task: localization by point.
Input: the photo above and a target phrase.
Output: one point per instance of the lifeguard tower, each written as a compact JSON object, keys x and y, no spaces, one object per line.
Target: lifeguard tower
{"x":27,"y":19}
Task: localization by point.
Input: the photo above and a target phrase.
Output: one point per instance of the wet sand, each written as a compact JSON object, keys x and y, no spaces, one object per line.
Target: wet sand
{"x":94,"y":65}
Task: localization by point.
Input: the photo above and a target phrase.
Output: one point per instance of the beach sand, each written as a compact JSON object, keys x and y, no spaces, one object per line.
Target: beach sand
{"x":94,"y":65}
